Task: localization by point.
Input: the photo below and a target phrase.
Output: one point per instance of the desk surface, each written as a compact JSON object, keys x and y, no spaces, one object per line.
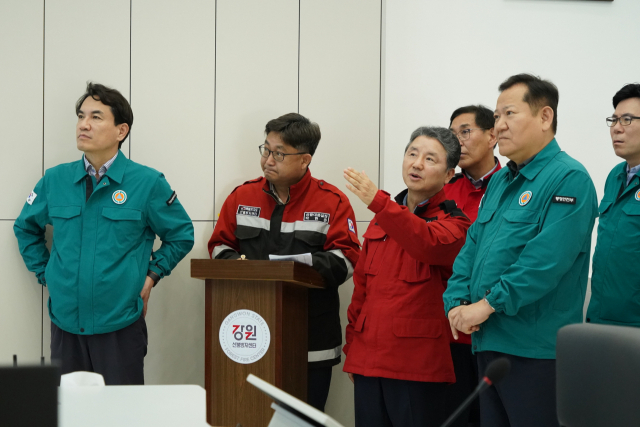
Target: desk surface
{"x":123,"y":406}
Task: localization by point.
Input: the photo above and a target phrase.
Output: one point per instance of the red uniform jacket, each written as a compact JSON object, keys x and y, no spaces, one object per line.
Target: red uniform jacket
{"x":317,"y":219}
{"x":468,"y":198}
{"x":397,"y":328}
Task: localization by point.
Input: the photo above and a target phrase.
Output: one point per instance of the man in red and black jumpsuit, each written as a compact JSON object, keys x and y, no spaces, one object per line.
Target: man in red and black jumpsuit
{"x":473,"y":125}
{"x":398,"y":347}
{"x":288,"y":212}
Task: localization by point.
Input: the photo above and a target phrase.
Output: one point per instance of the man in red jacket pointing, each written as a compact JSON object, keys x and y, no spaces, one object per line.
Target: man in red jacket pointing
{"x":397,"y":339}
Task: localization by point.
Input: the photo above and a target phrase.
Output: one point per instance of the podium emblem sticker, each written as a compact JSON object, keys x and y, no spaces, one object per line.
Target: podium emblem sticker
{"x":244,"y":336}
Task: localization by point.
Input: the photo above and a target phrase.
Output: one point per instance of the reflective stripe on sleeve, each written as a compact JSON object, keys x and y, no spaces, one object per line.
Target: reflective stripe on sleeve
{"x":338,"y":253}
{"x":220,"y":248}
{"x":320,"y":355}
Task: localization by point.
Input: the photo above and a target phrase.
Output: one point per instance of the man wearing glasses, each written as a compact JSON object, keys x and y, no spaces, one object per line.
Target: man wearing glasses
{"x":615,"y":284}
{"x":473,"y":125}
{"x":288,"y":212}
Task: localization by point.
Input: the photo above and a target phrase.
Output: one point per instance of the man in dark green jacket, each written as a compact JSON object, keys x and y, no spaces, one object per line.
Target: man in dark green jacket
{"x":615,"y":288}
{"x":522,"y":273}
{"x":106,"y":212}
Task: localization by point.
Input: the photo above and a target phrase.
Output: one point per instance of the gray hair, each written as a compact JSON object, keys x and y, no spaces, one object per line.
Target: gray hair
{"x":446,"y":137}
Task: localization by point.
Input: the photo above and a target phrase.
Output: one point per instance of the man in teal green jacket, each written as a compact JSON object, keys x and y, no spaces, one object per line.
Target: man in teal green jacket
{"x":522,"y":273}
{"x":615,"y":287}
{"x":106,"y":211}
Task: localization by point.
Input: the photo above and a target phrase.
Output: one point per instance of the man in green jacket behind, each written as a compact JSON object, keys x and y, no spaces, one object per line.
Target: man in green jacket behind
{"x":615,"y":287}
{"x":522,"y":273}
{"x":106,"y":211}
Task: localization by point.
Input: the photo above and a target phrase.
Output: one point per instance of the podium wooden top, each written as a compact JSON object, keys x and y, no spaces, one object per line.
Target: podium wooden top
{"x":272,"y":271}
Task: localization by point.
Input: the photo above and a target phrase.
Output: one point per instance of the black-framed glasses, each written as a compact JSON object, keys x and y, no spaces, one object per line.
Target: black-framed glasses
{"x":624,"y":120}
{"x":278,"y":156}
{"x":464,"y":134}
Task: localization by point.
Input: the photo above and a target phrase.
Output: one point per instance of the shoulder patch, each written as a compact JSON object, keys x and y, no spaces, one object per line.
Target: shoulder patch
{"x":172,"y":199}
{"x":32,"y":196}
{"x":564,"y":199}
{"x":450,"y":207}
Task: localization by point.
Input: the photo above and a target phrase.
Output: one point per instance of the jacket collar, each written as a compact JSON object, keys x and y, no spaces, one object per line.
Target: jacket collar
{"x":115,"y":171}
{"x":295,"y":191}
{"x":424,"y":207}
{"x":485,"y":179}
{"x":532,"y":169}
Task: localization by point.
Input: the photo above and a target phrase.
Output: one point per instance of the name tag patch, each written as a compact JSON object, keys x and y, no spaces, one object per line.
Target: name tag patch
{"x":564,"y":199}
{"x":31,"y":198}
{"x":248,"y":210}
{"x":172,"y":199}
{"x":317,"y":216}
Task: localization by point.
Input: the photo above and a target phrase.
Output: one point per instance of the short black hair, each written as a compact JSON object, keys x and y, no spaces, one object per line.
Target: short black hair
{"x":296,"y":131}
{"x":540,"y":93}
{"x":119,"y":105}
{"x":631,"y":90}
{"x":483,"y":115}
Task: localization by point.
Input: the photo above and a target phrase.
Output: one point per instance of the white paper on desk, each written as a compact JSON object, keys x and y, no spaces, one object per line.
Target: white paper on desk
{"x":303,"y":258}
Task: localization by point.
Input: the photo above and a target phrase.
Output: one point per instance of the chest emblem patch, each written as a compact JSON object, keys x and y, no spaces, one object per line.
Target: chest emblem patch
{"x":248,"y":210}
{"x":317,"y":216}
{"x":638,"y":195}
{"x":119,"y":197}
{"x":525,"y":198}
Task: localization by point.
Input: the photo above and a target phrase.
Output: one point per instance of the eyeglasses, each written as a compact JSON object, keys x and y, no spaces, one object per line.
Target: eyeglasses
{"x":277,"y":155}
{"x":624,"y":120}
{"x":463,"y":135}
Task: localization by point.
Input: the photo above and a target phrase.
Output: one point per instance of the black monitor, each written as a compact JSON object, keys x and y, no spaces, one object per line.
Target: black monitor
{"x":598,"y":376}
{"x":29,"y":396}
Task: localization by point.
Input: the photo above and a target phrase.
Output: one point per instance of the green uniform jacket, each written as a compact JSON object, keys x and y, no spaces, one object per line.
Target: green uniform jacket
{"x":102,"y":248}
{"x":530,"y":248}
{"x":615,"y":285}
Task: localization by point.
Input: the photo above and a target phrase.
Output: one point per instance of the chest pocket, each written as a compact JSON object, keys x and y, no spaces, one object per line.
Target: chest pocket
{"x":376,"y":237}
{"x":414,"y":271}
{"x":311,"y":233}
{"x":629,"y":225}
{"x":485,"y":216}
{"x":64,"y":212}
{"x":124,"y":226}
{"x":66,"y":223}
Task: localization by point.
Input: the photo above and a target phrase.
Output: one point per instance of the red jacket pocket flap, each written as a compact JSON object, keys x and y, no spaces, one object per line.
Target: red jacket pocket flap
{"x":414,"y":271}
{"x":374,"y":232}
{"x":420,"y":328}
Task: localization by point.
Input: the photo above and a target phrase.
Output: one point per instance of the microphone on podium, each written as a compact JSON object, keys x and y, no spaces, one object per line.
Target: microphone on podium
{"x":496,"y":371}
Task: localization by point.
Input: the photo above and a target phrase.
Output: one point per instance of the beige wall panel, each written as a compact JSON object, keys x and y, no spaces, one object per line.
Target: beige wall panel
{"x":340,"y":400}
{"x":175,"y":321}
{"x":172,"y":95}
{"x":20,"y":299}
{"x":21,"y":30}
{"x":256,"y":81}
{"x":84,"y":41}
{"x":340,"y":87}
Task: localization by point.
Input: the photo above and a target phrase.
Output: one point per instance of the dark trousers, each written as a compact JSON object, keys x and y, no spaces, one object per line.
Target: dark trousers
{"x":318,"y":383}
{"x":385,"y":402}
{"x":466,"y":369}
{"x":117,"y":356}
{"x":526,"y":397}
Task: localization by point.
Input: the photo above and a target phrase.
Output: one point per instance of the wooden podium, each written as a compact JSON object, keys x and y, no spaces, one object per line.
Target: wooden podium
{"x":277,"y":291}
